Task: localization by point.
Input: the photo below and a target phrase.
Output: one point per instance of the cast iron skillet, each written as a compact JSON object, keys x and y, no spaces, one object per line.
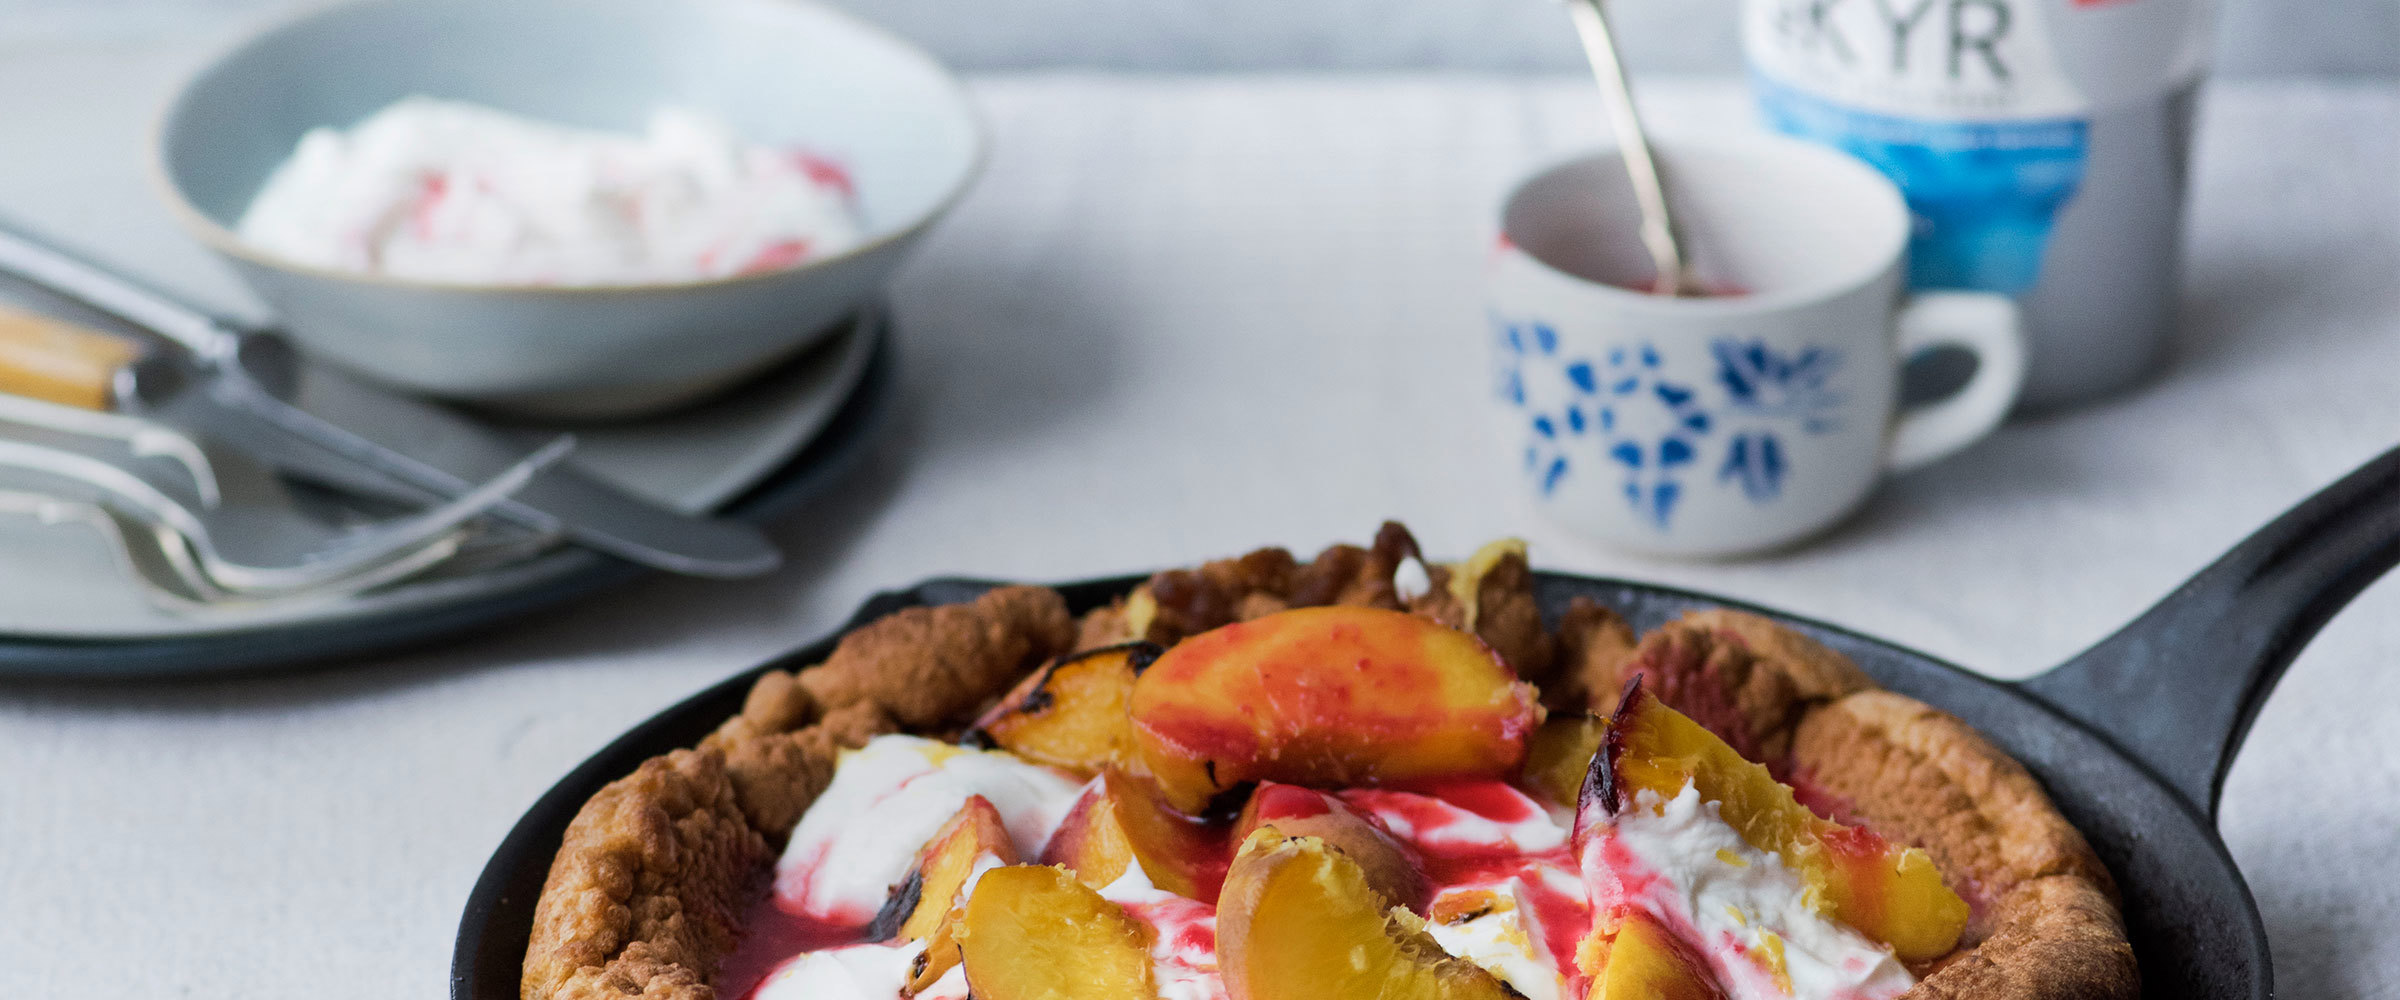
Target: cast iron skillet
{"x":2132,"y":737}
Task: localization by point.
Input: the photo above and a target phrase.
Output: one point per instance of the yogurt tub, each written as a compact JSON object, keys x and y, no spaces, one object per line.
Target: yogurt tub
{"x":451,"y":191}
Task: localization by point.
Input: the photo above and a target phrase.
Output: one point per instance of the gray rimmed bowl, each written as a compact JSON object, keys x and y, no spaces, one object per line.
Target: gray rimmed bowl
{"x":788,"y":73}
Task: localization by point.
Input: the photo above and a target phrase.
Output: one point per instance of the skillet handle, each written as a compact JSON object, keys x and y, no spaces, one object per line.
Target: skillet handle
{"x":2179,"y":686}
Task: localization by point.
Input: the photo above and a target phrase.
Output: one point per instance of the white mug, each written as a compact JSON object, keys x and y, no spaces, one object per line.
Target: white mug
{"x":1737,"y":423}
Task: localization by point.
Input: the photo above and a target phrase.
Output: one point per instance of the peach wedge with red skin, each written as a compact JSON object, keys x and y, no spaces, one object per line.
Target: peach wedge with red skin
{"x":1391,"y":868}
{"x":1328,"y":697}
{"x":1561,"y":754}
{"x":1071,"y":713}
{"x":1641,"y":960}
{"x":1032,"y":932}
{"x":1090,"y":841}
{"x":1298,"y":921}
{"x":924,"y":906}
{"x":1123,"y":821}
{"x":921,"y":900}
{"x":1889,"y":892}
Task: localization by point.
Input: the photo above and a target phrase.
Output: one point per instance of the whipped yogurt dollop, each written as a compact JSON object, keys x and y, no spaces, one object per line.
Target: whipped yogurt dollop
{"x":1499,"y":855}
{"x":891,"y":796}
{"x":449,"y":191}
{"x":1680,"y":860}
{"x":859,"y":970}
{"x":1183,"y":941}
{"x":1507,"y":939}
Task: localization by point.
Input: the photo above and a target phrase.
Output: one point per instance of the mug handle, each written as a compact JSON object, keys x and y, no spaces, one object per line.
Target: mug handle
{"x":1985,"y":323}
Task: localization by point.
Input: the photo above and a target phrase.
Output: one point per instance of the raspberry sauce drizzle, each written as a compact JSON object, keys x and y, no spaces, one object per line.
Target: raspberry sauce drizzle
{"x":1427,"y":818}
{"x":773,"y":937}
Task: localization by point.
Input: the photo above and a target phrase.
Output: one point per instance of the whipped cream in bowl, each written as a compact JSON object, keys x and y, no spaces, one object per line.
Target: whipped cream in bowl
{"x":566,"y":208}
{"x":451,"y":191}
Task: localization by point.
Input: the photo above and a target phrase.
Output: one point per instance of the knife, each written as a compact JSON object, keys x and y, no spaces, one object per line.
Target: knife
{"x":249,"y":389}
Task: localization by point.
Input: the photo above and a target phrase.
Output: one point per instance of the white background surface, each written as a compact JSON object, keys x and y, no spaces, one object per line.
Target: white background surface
{"x":2257,"y":37}
{"x":1179,"y":318}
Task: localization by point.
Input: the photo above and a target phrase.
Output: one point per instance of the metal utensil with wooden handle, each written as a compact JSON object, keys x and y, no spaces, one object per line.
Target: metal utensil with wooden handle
{"x":59,"y":362}
{"x":248,"y":389}
{"x":225,"y":525}
{"x":55,"y":361}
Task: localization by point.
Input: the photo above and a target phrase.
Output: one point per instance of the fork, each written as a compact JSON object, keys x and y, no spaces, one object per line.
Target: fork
{"x":236,"y":548}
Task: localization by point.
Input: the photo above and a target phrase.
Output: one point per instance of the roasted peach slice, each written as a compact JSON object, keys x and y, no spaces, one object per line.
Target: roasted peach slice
{"x":1642,"y":961}
{"x":944,"y":866}
{"x":1123,"y":820}
{"x":1889,"y":892}
{"x":1090,"y":842}
{"x":1561,"y":754}
{"x":1181,"y":854}
{"x":1032,"y":932}
{"x":1071,"y":713}
{"x":1298,"y":921}
{"x":1328,"y":697}
{"x":925,"y":904}
{"x":939,"y":957}
{"x":1294,"y":811}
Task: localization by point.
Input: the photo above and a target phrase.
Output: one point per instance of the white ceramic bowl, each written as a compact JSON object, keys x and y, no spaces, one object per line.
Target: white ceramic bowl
{"x":788,"y":73}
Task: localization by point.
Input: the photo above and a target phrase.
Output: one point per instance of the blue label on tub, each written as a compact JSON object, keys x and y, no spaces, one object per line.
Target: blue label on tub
{"x":1983,"y":193}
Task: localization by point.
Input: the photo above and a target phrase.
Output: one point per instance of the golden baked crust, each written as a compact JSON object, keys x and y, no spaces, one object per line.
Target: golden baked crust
{"x":647,"y":891}
{"x":1594,"y":644}
{"x":1920,"y":775}
{"x":930,"y":668}
{"x":2057,"y":937}
{"x":775,"y":775}
{"x":1499,"y":606}
{"x":2044,"y":922}
{"x":1177,"y":603}
{"x":649,"y":887}
{"x":645,"y":895}
{"x":1814,"y":672}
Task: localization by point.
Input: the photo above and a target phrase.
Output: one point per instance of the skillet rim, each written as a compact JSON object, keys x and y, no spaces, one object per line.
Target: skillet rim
{"x":510,"y":882}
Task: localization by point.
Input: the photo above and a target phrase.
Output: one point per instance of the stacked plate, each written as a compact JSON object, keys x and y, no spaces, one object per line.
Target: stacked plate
{"x":752,"y":453}
{"x":305,"y":571}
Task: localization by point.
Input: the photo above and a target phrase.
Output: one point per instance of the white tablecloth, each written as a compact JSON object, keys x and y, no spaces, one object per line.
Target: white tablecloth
{"x":1180,"y":318}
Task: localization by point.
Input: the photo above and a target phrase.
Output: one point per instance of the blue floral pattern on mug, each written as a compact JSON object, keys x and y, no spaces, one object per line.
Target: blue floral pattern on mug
{"x":1652,"y":426}
{"x":1623,"y":413}
{"x":1767,"y":387}
{"x":1545,"y":455}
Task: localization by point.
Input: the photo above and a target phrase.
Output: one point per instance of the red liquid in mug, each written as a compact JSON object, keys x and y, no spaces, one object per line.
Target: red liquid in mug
{"x":1587,"y":261}
{"x":1701,"y":289}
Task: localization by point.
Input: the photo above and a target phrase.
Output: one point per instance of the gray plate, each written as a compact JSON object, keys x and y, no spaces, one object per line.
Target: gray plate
{"x":421,"y":612}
